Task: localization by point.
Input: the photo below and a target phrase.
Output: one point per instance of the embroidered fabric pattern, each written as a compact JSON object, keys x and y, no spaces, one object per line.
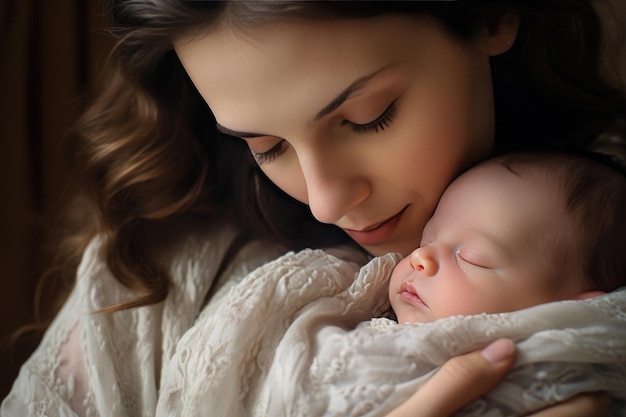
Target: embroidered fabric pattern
{"x":296,"y":342}
{"x":106,"y":364}
{"x":294,"y":338}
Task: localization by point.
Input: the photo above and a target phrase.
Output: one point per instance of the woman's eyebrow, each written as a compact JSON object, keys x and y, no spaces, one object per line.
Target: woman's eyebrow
{"x":332,"y":106}
{"x":236,"y":133}
{"x":345,"y":94}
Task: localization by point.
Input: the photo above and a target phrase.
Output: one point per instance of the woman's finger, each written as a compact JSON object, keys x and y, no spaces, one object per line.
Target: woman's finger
{"x":459,"y":381}
{"x":585,"y":405}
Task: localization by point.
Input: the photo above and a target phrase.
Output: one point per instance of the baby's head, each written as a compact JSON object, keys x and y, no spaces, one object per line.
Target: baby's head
{"x":514,"y":232}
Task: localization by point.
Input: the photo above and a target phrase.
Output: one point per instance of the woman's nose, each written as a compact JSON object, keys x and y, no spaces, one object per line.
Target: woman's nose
{"x":334,"y":185}
{"x":423,"y":259}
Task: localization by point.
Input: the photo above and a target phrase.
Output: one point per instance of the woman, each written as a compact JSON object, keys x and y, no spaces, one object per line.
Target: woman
{"x":357,"y":116}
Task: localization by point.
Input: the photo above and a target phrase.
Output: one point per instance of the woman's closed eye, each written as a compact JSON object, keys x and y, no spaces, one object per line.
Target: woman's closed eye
{"x":271,"y":154}
{"x":377,"y":125}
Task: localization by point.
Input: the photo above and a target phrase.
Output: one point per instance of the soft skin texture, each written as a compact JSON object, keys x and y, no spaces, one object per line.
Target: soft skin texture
{"x":489,"y":248}
{"x":428,"y":94}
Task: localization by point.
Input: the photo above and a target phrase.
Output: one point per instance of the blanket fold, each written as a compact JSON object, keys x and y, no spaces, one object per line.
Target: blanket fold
{"x":295,"y":338}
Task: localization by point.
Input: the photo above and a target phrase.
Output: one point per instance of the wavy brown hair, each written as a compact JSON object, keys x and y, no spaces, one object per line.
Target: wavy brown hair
{"x":146,"y":151}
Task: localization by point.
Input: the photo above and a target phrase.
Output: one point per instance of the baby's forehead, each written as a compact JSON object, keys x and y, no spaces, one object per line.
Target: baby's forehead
{"x":498,"y":183}
{"x":526,"y":169}
{"x":495,"y":170}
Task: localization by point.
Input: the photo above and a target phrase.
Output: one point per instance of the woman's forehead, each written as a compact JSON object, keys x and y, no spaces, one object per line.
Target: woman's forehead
{"x":309,"y":61}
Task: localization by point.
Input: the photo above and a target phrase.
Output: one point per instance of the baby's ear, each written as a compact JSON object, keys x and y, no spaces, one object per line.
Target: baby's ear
{"x":588,"y":294}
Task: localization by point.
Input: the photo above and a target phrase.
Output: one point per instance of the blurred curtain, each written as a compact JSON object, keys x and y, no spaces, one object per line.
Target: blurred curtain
{"x":49,"y":51}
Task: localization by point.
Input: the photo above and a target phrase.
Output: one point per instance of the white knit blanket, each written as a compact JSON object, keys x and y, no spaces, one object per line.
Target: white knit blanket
{"x":294,"y":339}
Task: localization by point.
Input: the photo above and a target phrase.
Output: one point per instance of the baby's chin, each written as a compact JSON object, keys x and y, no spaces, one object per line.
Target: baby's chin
{"x":414,"y":317}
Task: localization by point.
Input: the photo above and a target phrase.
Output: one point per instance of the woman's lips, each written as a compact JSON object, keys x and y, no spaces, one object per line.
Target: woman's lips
{"x":376,"y":233}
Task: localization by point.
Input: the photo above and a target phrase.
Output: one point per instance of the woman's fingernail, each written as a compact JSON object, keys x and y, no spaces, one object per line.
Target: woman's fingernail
{"x":499,"y":350}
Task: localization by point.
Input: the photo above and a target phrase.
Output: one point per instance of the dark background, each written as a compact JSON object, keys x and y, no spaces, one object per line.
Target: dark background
{"x":50,"y":50}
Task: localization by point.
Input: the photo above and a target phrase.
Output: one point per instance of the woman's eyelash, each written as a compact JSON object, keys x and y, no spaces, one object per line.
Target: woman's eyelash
{"x":377,"y":125}
{"x":269,"y":155}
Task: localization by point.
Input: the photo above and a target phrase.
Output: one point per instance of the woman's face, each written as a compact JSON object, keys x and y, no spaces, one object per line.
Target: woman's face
{"x":364,"y":120}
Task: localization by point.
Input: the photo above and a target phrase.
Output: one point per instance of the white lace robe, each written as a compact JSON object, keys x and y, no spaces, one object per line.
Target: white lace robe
{"x":287,"y":341}
{"x":110,"y":364}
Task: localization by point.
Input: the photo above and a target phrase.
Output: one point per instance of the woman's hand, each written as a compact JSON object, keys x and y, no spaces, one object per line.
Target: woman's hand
{"x":587,"y":405}
{"x":459,"y":381}
{"x":467,"y":377}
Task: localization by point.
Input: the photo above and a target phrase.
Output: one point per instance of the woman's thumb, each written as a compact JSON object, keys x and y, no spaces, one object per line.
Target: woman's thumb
{"x":461,"y":380}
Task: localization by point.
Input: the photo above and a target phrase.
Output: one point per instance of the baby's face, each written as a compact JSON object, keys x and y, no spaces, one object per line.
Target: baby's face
{"x":487,"y":249}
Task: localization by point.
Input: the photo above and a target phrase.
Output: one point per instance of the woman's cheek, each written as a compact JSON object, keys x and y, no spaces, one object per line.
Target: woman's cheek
{"x":286,"y":174}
